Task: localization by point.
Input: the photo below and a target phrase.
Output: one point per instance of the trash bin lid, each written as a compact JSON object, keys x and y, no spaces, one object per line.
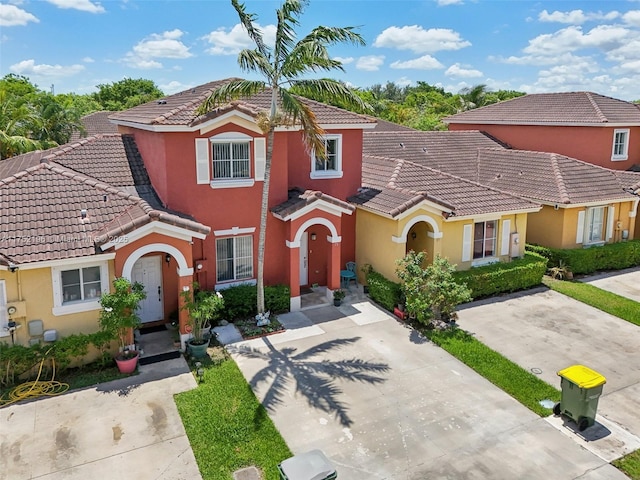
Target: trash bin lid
{"x":313,"y":465}
{"x":582,"y":376}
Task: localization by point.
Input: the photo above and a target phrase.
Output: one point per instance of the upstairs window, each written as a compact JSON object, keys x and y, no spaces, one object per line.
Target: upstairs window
{"x":231,"y":160}
{"x":620,"y":144}
{"x":329,"y":165}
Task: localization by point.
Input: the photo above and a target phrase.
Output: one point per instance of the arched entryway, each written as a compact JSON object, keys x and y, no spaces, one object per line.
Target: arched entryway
{"x":420,"y":239}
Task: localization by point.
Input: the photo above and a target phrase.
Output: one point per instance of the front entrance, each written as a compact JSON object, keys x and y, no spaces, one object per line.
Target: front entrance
{"x":148,"y":271}
{"x":304,"y":259}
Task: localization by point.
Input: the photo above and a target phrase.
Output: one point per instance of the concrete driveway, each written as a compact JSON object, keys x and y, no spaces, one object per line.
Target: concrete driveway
{"x":127,"y":429}
{"x":546,"y":331}
{"x":625,"y":283}
{"x":383,"y":403}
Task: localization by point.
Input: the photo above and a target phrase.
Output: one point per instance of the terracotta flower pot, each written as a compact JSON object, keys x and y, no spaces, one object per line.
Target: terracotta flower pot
{"x":127,"y":365}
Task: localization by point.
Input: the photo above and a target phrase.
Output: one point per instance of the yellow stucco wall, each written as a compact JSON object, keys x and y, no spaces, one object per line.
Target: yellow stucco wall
{"x":37,"y":295}
{"x":558,"y":228}
{"x":374,"y":243}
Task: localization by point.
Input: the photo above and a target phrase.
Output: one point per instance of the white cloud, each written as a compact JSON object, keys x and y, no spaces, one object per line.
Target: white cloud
{"x":230,"y":42}
{"x":29,"y":68}
{"x":632,"y":17}
{"x":449,"y":2}
{"x":88,"y":60}
{"x":419,"y":40}
{"x":163,"y":45}
{"x":83,"y":5}
{"x":173,"y":87}
{"x":403,"y":82}
{"x":370,"y":63}
{"x":604,"y":37}
{"x":12,"y":16}
{"x":426,"y":62}
{"x":344,"y":60}
{"x":576,"y":17}
{"x":456,"y":70}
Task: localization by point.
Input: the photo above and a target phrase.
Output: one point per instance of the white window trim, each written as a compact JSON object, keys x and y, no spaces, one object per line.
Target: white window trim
{"x":236,"y":281}
{"x":337,"y":173}
{"x":493,"y":258}
{"x":232,"y":283}
{"x":237,"y":183}
{"x":230,"y":138}
{"x":478,"y":262}
{"x":4,"y":316}
{"x":80,"y":306}
{"x":589,"y":216}
{"x":625,"y":155}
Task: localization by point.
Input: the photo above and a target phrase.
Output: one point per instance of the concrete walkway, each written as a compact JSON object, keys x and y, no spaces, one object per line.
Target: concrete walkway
{"x":126,"y":429}
{"x":625,"y":283}
{"x":384,"y":403}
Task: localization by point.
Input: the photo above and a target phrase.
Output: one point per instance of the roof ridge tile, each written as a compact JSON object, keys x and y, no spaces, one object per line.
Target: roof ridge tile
{"x":596,"y":107}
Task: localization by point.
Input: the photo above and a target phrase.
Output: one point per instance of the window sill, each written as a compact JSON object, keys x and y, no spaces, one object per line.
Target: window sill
{"x":232,"y":283}
{"x":241,"y":183}
{"x":76,"y":308}
{"x":621,"y":158}
{"x":479,"y":262}
{"x":599,"y":243}
{"x":322,"y":175}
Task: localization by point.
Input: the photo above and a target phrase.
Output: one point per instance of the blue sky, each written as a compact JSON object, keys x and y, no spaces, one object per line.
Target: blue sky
{"x":531,"y":46}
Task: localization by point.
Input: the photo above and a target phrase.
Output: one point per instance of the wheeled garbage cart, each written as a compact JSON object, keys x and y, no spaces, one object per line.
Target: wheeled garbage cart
{"x":313,"y":465}
{"x":581,"y":389}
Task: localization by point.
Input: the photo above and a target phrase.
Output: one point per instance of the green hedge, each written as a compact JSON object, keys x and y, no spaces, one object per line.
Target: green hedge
{"x":501,"y":277}
{"x":613,"y":256}
{"x":383,"y":291}
{"x":240,"y":301}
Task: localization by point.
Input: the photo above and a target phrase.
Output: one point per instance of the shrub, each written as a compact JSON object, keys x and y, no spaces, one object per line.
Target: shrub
{"x":613,"y":256}
{"x":241,"y":301}
{"x":504,"y":277}
{"x":383,"y":291}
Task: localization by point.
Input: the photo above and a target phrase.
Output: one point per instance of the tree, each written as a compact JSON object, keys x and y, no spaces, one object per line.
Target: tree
{"x":282,"y":66}
{"x":431,"y":292}
{"x":126,"y":93}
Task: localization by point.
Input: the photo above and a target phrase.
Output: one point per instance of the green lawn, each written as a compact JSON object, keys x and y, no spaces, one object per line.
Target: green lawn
{"x":506,"y":375}
{"x":630,"y":465}
{"x":621,"y":307}
{"x":227,"y":427}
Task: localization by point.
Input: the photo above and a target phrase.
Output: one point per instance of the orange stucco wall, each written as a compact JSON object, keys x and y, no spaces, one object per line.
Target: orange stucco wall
{"x":170,"y":159}
{"x":590,"y":144}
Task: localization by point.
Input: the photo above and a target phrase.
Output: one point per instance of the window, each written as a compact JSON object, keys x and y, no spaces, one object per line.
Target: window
{"x":331,"y":165}
{"x":230,"y":160}
{"x":234,"y":258}
{"x":78,"y":289}
{"x":620,"y":144}
{"x":484,"y":239}
{"x":595,"y":225}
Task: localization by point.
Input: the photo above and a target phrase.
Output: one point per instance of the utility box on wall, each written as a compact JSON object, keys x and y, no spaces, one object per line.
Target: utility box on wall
{"x":515,"y":245}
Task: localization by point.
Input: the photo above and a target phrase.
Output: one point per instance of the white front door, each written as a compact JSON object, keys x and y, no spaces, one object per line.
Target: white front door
{"x":304,"y":259}
{"x":148,"y":271}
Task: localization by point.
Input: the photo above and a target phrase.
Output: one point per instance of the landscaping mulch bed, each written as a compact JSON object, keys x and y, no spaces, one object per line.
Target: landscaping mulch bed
{"x":249,"y":330}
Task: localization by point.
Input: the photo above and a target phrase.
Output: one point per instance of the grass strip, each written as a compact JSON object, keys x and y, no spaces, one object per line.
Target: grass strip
{"x":630,"y":465}
{"x":608,"y":302}
{"x":502,"y":372}
{"x":227,"y":426}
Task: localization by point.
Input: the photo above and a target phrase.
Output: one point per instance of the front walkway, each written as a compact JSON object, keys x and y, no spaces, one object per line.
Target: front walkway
{"x":384,"y":403}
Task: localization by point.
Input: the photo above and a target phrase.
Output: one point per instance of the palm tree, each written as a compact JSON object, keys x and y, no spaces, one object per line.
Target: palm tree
{"x":282,"y":66}
{"x":474,"y":97}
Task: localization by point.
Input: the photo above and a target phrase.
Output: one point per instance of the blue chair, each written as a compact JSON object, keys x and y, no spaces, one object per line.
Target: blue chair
{"x":347,"y":275}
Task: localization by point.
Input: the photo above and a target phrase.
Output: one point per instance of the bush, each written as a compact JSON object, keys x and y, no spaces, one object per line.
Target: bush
{"x":382,"y":291}
{"x":504,"y":277}
{"x":241,"y":301}
{"x":613,"y":256}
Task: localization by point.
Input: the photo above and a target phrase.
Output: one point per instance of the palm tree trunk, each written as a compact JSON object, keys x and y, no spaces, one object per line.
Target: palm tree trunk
{"x":264,"y":211}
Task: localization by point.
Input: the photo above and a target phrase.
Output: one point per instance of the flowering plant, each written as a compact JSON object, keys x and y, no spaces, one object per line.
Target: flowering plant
{"x":118,"y":315}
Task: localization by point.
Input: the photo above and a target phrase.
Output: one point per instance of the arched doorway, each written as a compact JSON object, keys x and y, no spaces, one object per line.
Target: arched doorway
{"x":420,"y":239}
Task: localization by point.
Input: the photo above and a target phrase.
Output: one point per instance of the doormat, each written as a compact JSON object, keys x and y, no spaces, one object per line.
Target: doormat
{"x":305,"y":290}
{"x":156,"y":328}
{"x":161,"y":357}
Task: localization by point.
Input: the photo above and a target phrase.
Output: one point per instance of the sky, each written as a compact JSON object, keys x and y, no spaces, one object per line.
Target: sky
{"x":530,"y":46}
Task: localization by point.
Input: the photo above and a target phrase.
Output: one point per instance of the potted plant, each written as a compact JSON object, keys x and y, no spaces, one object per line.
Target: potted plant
{"x":338,"y":295}
{"x":118,"y":317}
{"x":203,"y":308}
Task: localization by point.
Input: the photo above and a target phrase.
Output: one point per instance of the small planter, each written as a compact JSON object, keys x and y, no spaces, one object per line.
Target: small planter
{"x":198,"y":350}
{"x":337,"y":302}
{"x":127,"y":364}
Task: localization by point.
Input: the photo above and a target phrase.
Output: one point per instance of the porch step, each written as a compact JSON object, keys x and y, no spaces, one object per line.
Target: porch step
{"x":160,"y":357}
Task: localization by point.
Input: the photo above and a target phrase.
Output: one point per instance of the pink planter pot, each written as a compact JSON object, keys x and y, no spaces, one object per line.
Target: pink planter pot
{"x":127,"y":365}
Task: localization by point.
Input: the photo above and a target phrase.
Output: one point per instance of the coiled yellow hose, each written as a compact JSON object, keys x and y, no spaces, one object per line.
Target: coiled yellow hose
{"x":35,"y":388}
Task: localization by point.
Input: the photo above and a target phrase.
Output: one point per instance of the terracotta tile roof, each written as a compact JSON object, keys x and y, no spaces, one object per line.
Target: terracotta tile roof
{"x":180,"y":109}
{"x":94,"y":123}
{"x":548,"y":177}
{"x":554,"y":108}
{"x":394,"y":186}
{"x":384,"y":126}
{"x":298,"y":199}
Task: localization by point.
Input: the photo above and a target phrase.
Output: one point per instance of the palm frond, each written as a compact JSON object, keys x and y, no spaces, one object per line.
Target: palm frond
{"x":296,"y":111}
{"x":234,"y":90}
{"x":287,"y":15}
{"x":332,"y":35}
{"x":254,"y":61}
{"x":327,"y":90}
{"x":308,"y":57}
{"x":248,"y":21}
